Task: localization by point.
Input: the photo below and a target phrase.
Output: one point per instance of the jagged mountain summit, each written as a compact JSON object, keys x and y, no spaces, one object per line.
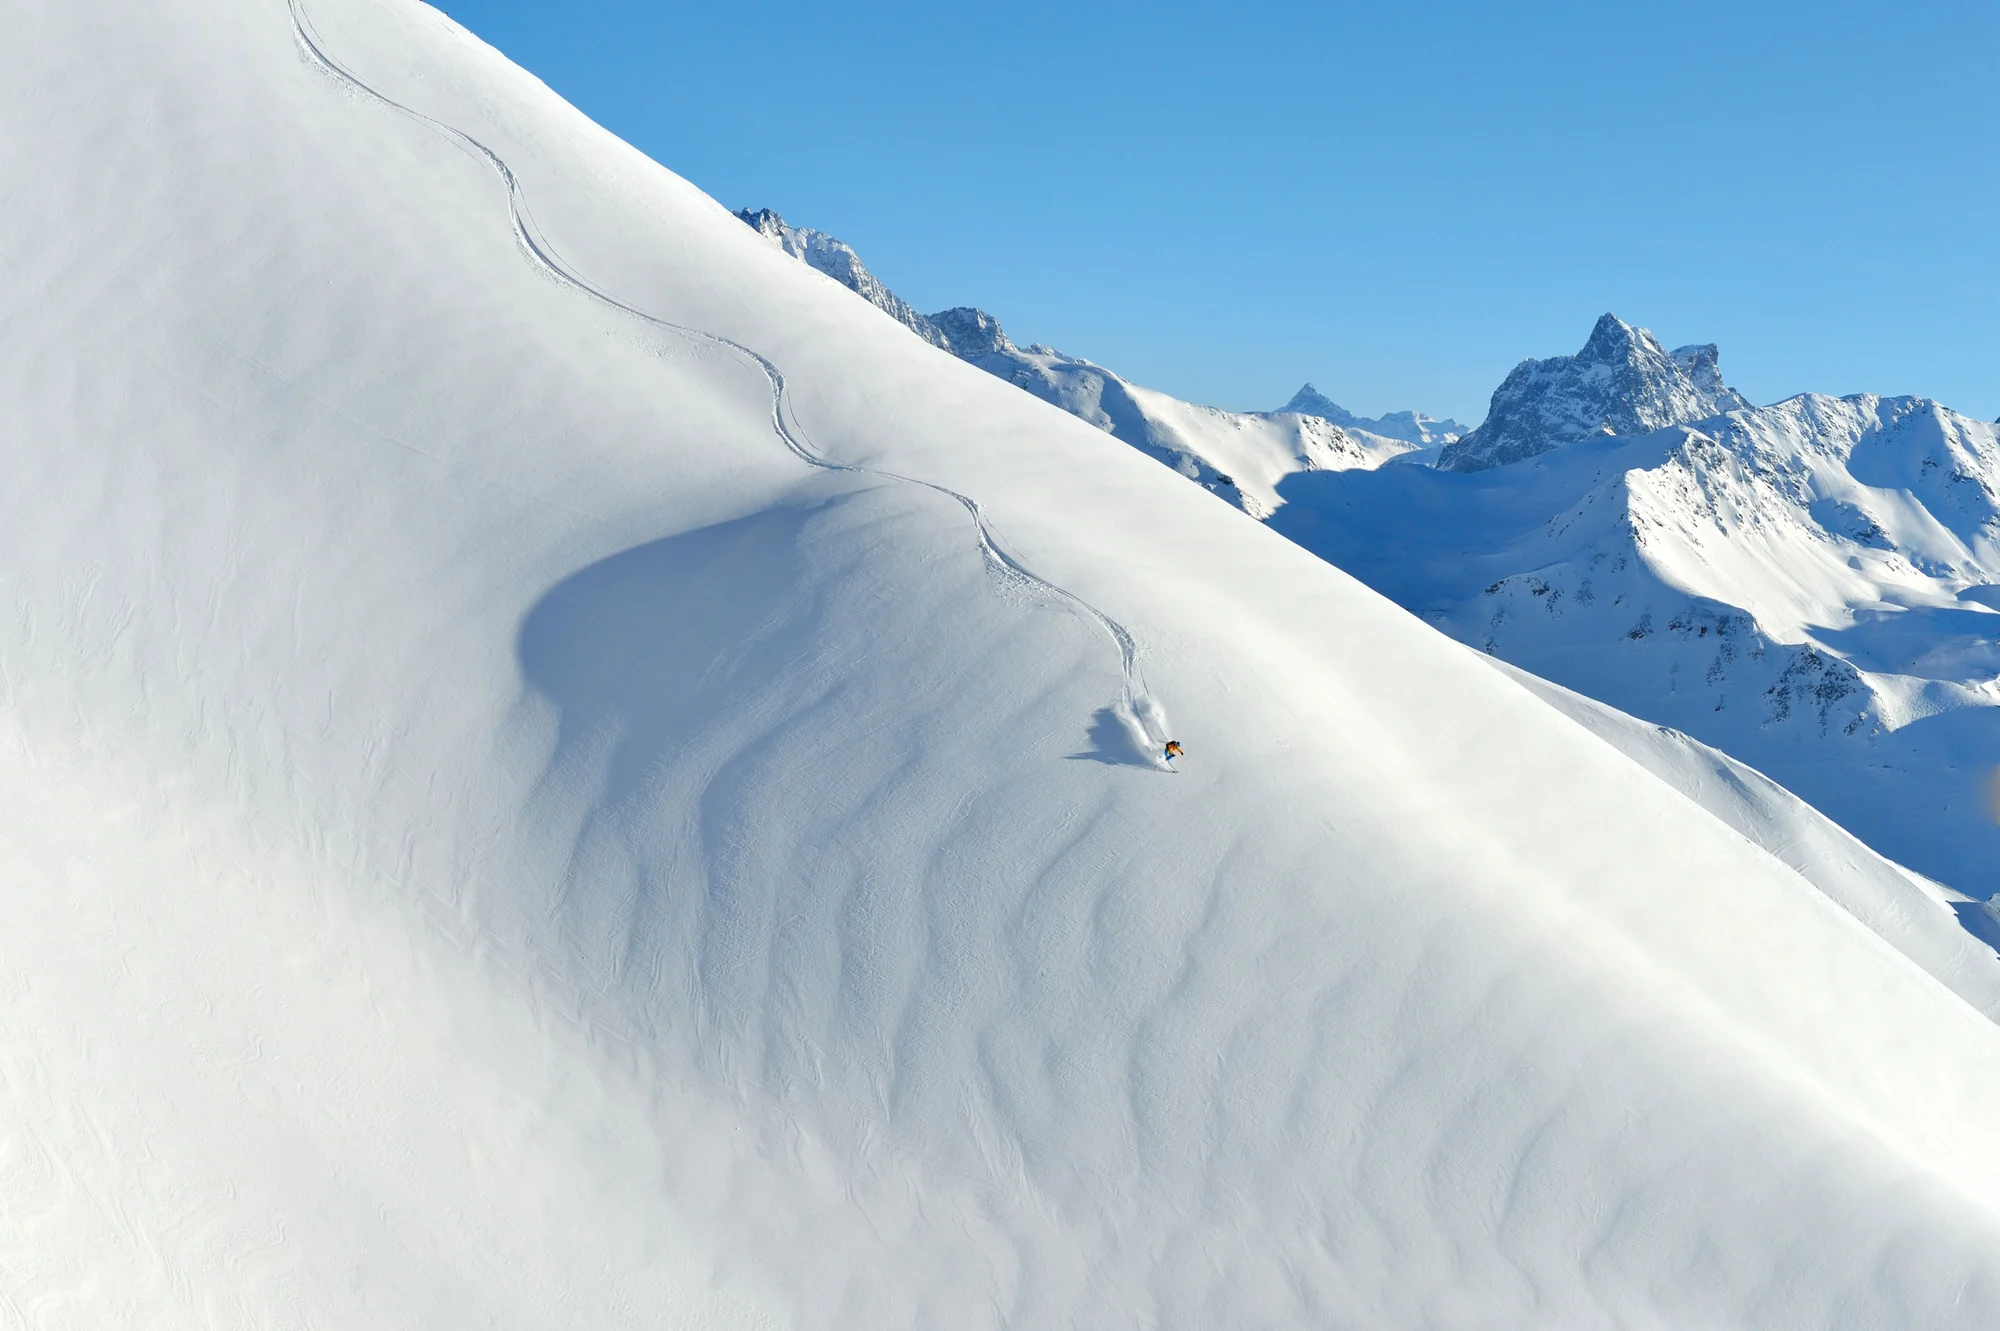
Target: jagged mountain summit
{"x":1412,"y":427}
{"x":1622,"y":382}
{"x":1812,"y":587}
{"x":562,"y":771}
{"x":1238,"y":456}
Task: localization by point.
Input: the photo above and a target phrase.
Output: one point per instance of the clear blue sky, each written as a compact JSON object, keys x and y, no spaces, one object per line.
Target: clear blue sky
{"x":1397,"y":201}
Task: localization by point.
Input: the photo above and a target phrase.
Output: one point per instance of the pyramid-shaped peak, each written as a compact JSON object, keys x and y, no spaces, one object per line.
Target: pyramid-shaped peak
{"x":1614,"y":340}
{"x":1309,"y":401}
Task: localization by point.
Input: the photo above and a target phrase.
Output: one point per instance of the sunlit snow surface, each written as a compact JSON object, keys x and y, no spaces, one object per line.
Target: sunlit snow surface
{"x":496,"y":838}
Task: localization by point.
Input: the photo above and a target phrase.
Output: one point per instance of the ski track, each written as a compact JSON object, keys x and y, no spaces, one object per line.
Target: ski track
{"x":784,"y":421}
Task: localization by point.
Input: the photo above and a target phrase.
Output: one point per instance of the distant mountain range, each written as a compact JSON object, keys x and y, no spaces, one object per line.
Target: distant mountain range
{"x":1812,"y":587}
{"x":1239,"y":456}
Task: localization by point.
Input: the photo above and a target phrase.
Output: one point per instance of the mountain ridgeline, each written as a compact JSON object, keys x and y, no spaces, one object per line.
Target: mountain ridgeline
{"x":1238,"y":456}
{"x":1812,"y":587}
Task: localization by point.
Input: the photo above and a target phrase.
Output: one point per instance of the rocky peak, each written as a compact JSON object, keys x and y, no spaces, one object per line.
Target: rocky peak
{"x":968,"y":332}
{"x":766,"y":224}
{"x":1613,"y":341}
{"x":1701,"y":364}
{"x":1622,"y":382}
{"x":1309,"y":401}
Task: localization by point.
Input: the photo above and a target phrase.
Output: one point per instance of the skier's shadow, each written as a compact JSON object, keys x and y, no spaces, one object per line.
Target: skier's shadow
{"x":1116,"y":741}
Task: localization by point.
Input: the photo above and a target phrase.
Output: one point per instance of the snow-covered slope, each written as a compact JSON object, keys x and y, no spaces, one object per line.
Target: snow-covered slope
{"x":1809,"y":586}
{"x":1240,"y":456}
{"x":562,"y":771}
{"x":1948,"y":933}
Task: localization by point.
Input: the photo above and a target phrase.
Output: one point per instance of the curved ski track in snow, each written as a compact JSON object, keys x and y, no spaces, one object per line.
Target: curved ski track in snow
{"x":784,"y":422}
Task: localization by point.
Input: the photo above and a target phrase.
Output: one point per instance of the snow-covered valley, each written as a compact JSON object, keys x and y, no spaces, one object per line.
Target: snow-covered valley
{"x":563,"y":771}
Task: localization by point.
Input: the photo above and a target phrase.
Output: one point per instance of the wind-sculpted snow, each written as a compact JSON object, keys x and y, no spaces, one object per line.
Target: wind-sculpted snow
{"x":495,"y":839}
{"x":1622,"y":382}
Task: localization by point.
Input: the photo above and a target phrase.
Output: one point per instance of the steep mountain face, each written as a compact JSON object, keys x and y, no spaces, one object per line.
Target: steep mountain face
{"x":1412,"y":427}
{"x":1809,"y":586}
{"x":561,"y":771}
{"x":1238,"y":456}
{"x":1622,"y":382}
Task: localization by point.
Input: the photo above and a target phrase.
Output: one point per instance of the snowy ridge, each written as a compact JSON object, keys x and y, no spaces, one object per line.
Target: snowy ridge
{"x":1238,"y":456}
{"x":499,"y":841}
{"x":839,"y":261}
{"x":1809,"y":586}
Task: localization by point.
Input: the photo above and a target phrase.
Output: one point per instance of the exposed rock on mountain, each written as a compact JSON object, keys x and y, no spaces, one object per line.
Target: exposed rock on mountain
{"x":969,"y":333}
{"x":838,"y":261}
{"x":1622,"y":382}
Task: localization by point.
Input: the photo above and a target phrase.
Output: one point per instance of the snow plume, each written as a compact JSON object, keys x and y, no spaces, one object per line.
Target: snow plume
{"x":1128,"y":734}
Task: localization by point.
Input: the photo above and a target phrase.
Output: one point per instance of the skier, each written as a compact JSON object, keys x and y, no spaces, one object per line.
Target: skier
{"x":1173,"y":751}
